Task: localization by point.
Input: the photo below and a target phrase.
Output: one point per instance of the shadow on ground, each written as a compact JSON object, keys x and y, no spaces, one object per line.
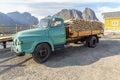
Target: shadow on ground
{"x":81,"y":55}
{"x":71,"y":56}
{"x":13,"y":66}
{"x":9,"y":61}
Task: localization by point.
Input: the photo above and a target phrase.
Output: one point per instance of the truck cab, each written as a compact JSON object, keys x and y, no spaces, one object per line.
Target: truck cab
{"x":41,"y":41}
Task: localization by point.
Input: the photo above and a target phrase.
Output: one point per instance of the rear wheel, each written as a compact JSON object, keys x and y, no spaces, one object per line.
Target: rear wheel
{"x":41,"y":53}
{"x":86,"y":43}
{"x":93,"y":42}
{"x":76,"y":42}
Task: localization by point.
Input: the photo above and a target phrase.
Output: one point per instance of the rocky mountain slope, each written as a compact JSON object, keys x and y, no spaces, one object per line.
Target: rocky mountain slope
{"x":69,"y":14}
{"x":4,"y":19}
{"x":89,"y":14}
{"x":13,"y":18}
{"x":66,"y":14}
{"x":23,"y":18}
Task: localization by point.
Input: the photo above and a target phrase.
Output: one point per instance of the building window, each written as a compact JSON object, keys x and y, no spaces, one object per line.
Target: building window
{"x":114,"y":23}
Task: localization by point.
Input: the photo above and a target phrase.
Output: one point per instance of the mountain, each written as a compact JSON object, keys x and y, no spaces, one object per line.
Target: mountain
{"x":89,"y":14}
{"x":13,"y":18}
{"x":4,"y":19}
{"x":23,"y":18}
{"x":69,"y":14}
{"x":66,"y":14}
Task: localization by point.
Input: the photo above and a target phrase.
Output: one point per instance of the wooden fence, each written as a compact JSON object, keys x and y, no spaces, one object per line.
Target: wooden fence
{"x":7,"y":31}
{"x":4,"y":30}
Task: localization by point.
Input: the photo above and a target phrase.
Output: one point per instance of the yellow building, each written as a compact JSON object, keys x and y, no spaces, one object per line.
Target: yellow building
{"x":112,"y":21}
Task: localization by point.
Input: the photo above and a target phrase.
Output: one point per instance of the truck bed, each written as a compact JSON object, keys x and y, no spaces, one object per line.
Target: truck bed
{"x":72,"y":36}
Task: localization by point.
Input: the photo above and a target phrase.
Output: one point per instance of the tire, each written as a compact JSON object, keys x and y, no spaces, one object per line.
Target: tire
{"x":41,"y":53}
{"x":76,"y":42}
{"x":86,"y":44}
{"x":92,"y":42}
{"x":19,"y":55}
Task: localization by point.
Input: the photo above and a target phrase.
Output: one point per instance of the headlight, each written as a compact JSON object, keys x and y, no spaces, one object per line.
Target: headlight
{"x":18,"y":42}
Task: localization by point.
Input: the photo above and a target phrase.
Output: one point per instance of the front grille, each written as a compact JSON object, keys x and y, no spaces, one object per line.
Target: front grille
{"x":15,"y":42}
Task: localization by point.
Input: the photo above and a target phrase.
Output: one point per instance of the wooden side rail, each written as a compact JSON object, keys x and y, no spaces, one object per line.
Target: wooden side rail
{"x":4,"y":40}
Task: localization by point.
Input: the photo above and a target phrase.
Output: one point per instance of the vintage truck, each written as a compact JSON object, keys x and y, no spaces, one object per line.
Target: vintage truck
{"x":51,"y":35}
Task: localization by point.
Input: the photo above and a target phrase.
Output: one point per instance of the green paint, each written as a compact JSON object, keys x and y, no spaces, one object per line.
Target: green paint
{"x":53,"y":35}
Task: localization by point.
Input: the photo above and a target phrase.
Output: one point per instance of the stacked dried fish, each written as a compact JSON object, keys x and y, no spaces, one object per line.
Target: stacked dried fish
{"x":82,"y":25}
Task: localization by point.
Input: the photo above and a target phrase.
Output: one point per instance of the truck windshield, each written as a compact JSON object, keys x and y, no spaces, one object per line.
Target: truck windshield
{"x":43,"y":23}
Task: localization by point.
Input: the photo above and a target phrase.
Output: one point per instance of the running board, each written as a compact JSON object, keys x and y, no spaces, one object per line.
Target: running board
{"x":58,"y":47}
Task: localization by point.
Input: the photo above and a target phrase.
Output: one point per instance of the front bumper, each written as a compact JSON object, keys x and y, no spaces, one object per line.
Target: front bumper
{"x":15,"y":51}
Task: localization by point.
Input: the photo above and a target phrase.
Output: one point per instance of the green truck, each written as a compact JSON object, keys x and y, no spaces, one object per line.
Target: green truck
{"x":51,"y":35}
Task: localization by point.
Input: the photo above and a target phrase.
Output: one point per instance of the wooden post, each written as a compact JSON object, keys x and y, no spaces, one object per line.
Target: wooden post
{"x":20,"y":28}
{"x":3,"y":29}
{"x":16,"y":28}
{"x":30,"y":26}
{"x":4,"y":44}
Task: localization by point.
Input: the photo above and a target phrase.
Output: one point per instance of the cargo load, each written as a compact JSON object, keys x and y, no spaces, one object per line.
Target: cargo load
{"x":83,"y":25}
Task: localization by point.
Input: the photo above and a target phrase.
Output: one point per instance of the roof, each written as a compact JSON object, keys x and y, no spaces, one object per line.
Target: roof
{"x":111,"y":14}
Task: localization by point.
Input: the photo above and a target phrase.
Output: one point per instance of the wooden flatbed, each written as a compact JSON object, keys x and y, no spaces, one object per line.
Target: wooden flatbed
{"x":5,"y":39}
{"x":72,"y":36}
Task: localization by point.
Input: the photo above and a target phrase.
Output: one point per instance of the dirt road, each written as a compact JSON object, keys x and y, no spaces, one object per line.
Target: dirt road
{"x":75,"y":62}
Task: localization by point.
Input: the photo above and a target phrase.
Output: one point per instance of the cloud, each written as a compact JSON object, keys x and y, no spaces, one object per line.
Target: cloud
{"x":71,"y":1}
{"x":41,"y":8}
{"x":10,"y":8}
{"x":108,"y":9}
{"x":36,"y":9}
{"x":57,"y":1}
{"x":99,"y":16}
{"x":104,"y":9}
{"x":40,"y":13}
{"x":51,"y":5}
{"x":11,"y":1}
{"x":45,"y":9}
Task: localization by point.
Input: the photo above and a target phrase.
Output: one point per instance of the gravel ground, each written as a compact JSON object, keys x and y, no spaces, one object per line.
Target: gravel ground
{"x":75,"y":62}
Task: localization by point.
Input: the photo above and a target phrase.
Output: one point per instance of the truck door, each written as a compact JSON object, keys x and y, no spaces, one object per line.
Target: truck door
{"x":57,"y":32}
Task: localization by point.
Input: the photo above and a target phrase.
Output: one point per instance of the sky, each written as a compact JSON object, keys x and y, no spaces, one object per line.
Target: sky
{"x":42,"y":8}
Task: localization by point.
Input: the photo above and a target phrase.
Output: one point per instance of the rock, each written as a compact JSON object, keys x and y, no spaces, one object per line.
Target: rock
{"x":83,"y":25}
{"x":89,"y":14}
{"x":4,"y":19}
{"x":23,"y":18}
{"x":67,"y":14}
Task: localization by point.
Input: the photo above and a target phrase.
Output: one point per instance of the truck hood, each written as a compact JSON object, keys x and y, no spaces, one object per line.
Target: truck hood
{"x":33,"y":32}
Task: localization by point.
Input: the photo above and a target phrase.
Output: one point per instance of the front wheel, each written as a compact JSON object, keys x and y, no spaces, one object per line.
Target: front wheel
{"x":41,"y":53}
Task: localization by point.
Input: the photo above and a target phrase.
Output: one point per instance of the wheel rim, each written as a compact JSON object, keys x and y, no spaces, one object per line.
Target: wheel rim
{"x":94,"y":42}
{"x":43,"y":52}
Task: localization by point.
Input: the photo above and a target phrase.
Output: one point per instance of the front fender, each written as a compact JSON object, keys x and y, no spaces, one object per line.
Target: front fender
{"x":30,"y":43}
